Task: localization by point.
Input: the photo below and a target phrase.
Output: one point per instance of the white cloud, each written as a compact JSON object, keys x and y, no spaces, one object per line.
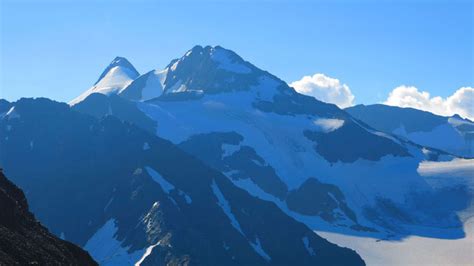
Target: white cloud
{"x":325,"y":89}
{"x":461,"y":102}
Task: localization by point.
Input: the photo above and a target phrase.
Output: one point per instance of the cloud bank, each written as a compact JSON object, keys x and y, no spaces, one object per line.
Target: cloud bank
{"x":325,"y":89}
{"x":460,"y":102}
{"x":331,"y":90}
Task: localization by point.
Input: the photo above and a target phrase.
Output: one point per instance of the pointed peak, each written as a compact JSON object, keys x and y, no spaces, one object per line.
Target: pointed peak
{"x":200,"y":48}
{"x":213,"y":57}
{"x":209,"y":51}
{"x":118,"y":75}
{"x":461,"y":118}
{"x":214,"y":69}
{"x":120,"y":62}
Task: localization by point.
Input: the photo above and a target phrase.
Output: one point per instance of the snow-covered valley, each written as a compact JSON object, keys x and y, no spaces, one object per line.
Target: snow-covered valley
{"x":416,"y":250}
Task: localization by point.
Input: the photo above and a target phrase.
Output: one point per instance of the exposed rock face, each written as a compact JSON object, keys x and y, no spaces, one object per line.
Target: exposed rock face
{"x":24,"y":241}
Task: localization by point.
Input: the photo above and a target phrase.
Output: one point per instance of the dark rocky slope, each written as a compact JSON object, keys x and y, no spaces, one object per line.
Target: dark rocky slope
{"x":23,"y":240}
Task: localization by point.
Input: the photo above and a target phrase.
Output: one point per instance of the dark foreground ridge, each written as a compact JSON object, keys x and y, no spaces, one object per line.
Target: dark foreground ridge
{"x":24,"y":241}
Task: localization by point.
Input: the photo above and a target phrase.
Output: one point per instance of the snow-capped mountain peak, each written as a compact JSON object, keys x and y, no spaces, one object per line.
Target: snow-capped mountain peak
{"x":201,"y":70}
{"x":211,"y":70}
{"x":118,"y":75}
{"x":223,"y":59}
{"x":119,"y":63}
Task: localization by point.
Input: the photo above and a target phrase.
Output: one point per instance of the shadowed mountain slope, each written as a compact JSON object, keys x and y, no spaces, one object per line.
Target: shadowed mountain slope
{"x":24,"y":241}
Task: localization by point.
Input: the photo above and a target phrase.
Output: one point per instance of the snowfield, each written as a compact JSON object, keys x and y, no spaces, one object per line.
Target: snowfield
{"x":107,"y":250}
{"x":456,"y":167}
{"x":416,"y":250}
{"x":413,"y":250}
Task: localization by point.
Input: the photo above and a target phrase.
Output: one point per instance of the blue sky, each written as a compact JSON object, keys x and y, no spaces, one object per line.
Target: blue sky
{"x":57,"y":49}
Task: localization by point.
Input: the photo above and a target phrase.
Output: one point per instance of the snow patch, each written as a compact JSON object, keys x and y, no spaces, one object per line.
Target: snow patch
{"x":457,"y":122}
{"x":12,"y":113}
{"x":154,"y":85}
{"x":177,"y":87}
{"x":107,"y":250}
{"x":175,"y":65}
{"x":258,"y":248}
{"x":147,"y":253}
{"x":328,"y":124}
{"x":224,"y":204}
{"x":253,"y":189}
{"x":165,"y":185}
{"x":229,"y":149}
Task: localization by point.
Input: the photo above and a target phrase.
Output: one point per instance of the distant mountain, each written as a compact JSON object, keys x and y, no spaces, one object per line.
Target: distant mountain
{"x":129,"y":197}
{"x":4,"y":105}
{"x":24,"y":241}
{"x":452,"y":134}
{"x":316,"y":162}
{"x":119,"y":74}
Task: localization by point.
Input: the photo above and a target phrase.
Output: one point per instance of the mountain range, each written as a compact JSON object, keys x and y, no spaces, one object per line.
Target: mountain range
{"x":213,"y":161}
